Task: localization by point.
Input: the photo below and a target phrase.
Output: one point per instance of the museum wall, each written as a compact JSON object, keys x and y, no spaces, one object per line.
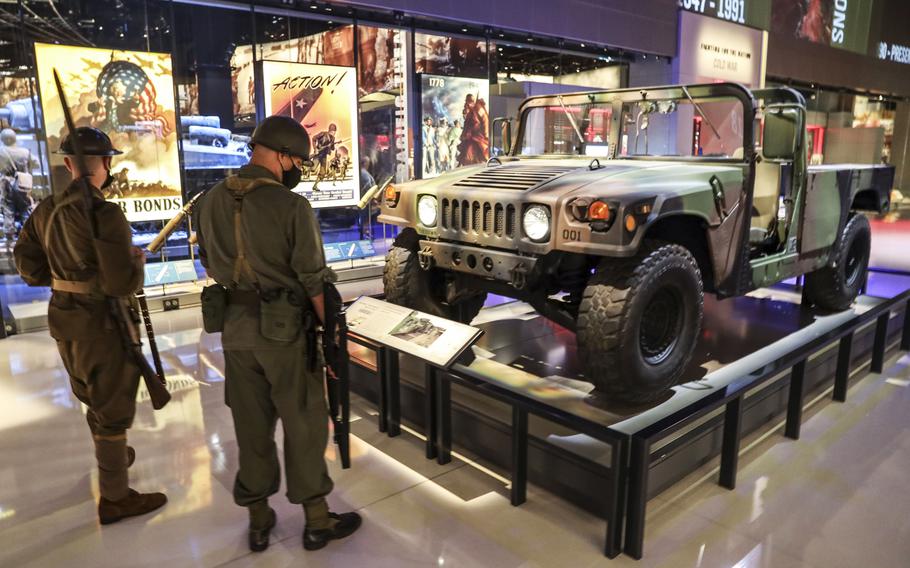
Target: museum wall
{"x":641,"y":25}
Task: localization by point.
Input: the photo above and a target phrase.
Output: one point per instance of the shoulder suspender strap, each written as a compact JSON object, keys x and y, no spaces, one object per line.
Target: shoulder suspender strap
{"x":239,"y":187}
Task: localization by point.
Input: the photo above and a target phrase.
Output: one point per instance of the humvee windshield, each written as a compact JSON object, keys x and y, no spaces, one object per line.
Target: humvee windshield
{"x":710,"y":128}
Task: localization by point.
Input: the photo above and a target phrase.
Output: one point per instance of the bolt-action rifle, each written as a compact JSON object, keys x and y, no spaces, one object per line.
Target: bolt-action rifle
{"x":335,"y":350}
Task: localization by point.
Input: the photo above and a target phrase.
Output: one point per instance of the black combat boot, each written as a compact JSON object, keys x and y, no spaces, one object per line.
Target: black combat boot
{"x":132,"y":505}
{"x":262,"y":521}
{"x":341,"y":526}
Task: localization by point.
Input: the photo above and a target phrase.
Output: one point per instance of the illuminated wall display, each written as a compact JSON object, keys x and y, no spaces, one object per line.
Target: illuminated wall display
{"x":839,"y":23}
{"x":754,"y":13}
{"x":894,"y":52}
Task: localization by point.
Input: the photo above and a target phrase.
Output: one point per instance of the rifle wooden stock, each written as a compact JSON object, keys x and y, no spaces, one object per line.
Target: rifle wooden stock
{"x":129,"y":334}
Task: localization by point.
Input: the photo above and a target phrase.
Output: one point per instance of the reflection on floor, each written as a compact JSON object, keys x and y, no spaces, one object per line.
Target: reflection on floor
{"x":835,"y":498}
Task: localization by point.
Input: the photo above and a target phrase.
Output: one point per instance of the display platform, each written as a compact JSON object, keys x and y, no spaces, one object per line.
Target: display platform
{"x":525,"y":364}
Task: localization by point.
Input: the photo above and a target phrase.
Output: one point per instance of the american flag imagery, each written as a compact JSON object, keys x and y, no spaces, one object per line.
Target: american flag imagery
{"x":127,"y":97}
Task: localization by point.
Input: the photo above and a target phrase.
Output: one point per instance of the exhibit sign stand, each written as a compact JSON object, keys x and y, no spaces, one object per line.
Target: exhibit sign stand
{"x":445,"y":348}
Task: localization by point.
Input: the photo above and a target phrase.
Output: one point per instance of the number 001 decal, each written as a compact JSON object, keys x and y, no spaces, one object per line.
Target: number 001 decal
{"x":571,"y":235}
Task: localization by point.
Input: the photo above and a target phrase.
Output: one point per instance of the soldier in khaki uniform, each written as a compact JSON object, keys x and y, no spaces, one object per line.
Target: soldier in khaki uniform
{"x":261,"y":241}
{"x":56,"y":249}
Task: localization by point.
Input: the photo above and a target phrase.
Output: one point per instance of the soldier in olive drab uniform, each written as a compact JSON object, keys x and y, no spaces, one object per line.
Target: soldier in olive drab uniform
{"x":257,"y":239}
{"x":56,"y":249}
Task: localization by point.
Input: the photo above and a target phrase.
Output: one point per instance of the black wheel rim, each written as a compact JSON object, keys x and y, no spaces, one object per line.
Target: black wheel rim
{"x":853,"y":264}
{"x":661,"y":325}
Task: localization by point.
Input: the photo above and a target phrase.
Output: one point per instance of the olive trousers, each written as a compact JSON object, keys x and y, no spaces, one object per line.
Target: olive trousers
{"x":106,"y":380}
{"x":262,"y":386}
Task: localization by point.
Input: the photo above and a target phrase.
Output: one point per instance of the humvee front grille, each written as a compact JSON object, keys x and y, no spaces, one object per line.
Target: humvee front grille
{"x":515,"y":177}
{"x":479,"y":218}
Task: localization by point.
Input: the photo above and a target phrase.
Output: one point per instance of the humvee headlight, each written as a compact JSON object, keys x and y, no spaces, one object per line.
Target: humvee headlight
{"x":536,"y":222}
{"x":427,"y":210}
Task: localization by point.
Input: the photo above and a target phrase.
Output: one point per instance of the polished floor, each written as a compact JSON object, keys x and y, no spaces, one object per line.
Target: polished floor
{"x":836,"y":498}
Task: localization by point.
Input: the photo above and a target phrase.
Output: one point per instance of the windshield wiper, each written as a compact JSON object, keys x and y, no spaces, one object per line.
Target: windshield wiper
{"x":571,"y":121}
{"x":706,"y":119}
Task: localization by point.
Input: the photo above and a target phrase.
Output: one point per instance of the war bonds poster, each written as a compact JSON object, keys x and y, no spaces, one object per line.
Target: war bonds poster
{"x":323,"y":98}
{"x":455,"y":125}
{"x":130,"y":96}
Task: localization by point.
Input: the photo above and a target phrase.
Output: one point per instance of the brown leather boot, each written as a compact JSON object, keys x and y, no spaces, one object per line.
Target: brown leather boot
{"x":130,"y":506}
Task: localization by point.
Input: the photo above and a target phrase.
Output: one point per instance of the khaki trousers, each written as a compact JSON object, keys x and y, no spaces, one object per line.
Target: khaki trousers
{"x":262,"y":386}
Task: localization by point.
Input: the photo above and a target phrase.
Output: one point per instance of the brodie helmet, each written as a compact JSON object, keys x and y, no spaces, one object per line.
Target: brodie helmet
{"x":283,"y":134}
{"x":92,"y":141}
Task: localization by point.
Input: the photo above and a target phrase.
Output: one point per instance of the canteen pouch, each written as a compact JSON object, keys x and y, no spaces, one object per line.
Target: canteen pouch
{"x":214,"y":301}
{"x":280,"y":316}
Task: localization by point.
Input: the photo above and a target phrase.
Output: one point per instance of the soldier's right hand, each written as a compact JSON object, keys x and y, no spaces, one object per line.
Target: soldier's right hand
{"x":138,"y":255}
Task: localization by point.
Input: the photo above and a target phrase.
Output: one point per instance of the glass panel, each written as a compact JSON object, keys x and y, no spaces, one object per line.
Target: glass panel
{"x":680,"y":128}
{"x":550,"y":130}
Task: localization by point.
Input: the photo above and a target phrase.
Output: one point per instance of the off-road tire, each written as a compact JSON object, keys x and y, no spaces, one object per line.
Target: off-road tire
{"x":609,"y":332}
{"x":406,"y":284}
{"x":836,"y":285}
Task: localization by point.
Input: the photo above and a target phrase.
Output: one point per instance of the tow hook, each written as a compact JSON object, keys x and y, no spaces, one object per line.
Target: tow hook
{"x":519,"y":276}
{"x":425,"y":258}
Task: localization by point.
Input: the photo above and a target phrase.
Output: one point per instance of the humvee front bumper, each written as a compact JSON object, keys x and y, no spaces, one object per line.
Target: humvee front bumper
{"x":486,"y":263}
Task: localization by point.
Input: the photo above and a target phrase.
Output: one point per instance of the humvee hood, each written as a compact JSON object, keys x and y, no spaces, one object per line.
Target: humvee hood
{"x":543,"y":176}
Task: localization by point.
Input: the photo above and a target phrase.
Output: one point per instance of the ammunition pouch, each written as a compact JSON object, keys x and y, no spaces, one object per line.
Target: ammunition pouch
{"x":214,"y":300}
{"x":281,"y":315}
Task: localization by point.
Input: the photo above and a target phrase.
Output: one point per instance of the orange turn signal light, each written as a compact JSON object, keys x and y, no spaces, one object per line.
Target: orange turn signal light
{"x":599,"y":211}
{"x":391,"y":194}
{"x":631,"y":223}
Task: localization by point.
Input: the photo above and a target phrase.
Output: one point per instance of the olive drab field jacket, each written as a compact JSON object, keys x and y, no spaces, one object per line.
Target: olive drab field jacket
{"x":55,"y":249}
{"x":281,"y":240}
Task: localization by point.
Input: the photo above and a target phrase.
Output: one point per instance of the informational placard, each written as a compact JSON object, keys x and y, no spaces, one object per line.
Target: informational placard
{"x":171,"y":272}
{"x":455,"y":123}
{"x":711,"y":50}
{"x":323,"y":98}
{"x":433,"y":339}
{"x":130,"y":96}
{"x":348,"y":250}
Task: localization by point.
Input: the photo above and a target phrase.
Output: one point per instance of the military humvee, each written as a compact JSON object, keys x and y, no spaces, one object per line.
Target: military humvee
{"x":616,"y":210}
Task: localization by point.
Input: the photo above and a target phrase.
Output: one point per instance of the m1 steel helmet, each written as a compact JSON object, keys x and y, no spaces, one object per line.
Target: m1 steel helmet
{"x":92,"y":141}
{"x":283,"y":134}
{"x":8,"y":137}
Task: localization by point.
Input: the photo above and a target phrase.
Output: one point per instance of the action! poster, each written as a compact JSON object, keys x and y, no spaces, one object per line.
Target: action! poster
{"x":455,"y":123}
{"x":323,"y":98}
{"x":333,"y":47}
{"x":130,"y":96}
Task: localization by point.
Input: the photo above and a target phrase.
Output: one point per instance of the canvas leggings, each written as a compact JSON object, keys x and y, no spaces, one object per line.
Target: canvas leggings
{"x":106,"y":380}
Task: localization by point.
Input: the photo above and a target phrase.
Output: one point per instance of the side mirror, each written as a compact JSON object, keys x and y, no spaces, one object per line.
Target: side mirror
{"x":780,"y":141}
{"x":505,"y":133}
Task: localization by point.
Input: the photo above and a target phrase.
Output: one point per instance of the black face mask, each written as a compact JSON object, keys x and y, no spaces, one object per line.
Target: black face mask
{"x":107,"y":181}
{"x":291,"y":177}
